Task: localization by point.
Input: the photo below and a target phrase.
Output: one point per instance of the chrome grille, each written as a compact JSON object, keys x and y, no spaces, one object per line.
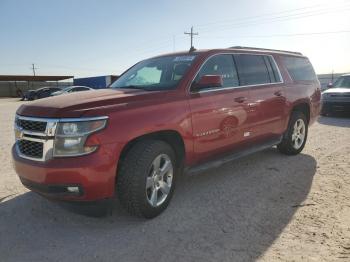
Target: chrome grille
{"x":31,"y":148}
{"x":35,"y":137}
{"x":34,"y":126}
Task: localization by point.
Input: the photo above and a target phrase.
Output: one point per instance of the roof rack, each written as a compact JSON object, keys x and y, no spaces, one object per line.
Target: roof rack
{"x":265,"y":49}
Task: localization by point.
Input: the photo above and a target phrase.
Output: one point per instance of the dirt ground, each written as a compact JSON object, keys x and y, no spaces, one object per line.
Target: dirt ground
{"x":266,"y":207}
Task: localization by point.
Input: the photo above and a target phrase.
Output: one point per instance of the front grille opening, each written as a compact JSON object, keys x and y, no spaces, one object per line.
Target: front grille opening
{"x":31,"y":148}
{"x":36,"y":126}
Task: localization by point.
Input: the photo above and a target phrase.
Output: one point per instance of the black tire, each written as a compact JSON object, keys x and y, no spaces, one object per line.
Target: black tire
{"x":324,"y":112}
{"x":133,"y":173}
{"x":286,"y":146}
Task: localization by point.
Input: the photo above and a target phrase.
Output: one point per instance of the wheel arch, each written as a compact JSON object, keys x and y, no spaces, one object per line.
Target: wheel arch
{"x":171,"y":137}
{"x":303,"y":107}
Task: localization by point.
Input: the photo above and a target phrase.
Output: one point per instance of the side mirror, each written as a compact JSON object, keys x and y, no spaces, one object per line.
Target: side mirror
{"x":330,"y":85}
{"x":208,"y":81}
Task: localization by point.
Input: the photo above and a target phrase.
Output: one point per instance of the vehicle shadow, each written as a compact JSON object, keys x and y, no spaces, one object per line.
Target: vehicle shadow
{"x":232,"y":213}
{"x":341,"y":120}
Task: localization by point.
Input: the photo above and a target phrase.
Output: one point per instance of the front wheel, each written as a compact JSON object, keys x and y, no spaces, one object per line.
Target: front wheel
{"x":295,"y":137}
{"x":146,"y":180}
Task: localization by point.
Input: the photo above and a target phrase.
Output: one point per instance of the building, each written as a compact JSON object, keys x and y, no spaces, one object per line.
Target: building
{"x":96,"y":82}
{"x":16,"y":85}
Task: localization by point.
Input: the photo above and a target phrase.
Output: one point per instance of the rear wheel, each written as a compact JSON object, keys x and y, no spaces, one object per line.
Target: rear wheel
{"x":295,"y":137}
{"x":146,"y":180}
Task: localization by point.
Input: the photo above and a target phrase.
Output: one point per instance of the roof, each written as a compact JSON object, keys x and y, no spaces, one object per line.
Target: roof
{"x":32,"y":78}
{"x":234,"y":49}
{"x":265,"y":49}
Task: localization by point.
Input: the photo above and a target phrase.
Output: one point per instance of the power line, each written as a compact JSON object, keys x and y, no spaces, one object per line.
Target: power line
{"x":273,"y":15}
{"x":281,"y":35}
{"x":257,"y":16}
{"x":241,"y":22}
{"x":277,"y":19}
{"x":144,"y":46}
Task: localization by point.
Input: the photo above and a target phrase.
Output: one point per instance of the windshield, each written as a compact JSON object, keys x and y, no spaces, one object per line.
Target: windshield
{"x":154,"y":74}
{"x":343,"y":81}
{"x":66,"y":89}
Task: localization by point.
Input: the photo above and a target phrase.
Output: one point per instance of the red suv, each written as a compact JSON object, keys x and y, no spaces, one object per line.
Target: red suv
{"x":181,"y":112}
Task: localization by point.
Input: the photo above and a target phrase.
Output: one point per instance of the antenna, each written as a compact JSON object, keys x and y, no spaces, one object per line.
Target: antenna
{"x":191,"y":35}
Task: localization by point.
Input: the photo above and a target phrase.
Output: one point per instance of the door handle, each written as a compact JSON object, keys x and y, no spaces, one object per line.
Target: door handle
{"x":278,"y":93}
{"x":240,"y":99}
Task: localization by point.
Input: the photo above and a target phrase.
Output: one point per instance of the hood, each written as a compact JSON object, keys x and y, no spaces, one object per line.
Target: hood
{"x":80,"y":103}
{"x":337,"y":90}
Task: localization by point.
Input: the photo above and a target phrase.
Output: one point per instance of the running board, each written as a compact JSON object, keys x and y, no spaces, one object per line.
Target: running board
{"x":242,"y":153}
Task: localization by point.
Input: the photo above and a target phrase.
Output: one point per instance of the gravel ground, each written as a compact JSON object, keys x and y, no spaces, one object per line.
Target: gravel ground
{"x":266,"y":207}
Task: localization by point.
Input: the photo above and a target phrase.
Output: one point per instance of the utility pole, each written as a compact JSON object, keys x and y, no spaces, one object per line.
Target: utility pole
{"x":191,"y":35}
{"x":33,"y":68}
{"x":174,"y":44}
{"x":332,"y":76}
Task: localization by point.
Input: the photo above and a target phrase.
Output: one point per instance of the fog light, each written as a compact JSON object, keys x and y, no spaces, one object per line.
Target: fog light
{"x":73,"y":189}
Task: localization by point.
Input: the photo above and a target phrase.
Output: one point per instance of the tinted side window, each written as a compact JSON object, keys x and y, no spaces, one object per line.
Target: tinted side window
{"x":76,"y":89}
{"x":252,"y":69}
{"x":299,"y":68}
{"x":220,"y":65}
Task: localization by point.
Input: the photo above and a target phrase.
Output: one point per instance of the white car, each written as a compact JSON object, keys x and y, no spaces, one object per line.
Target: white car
{"x":337,"y":97}
{"x":72,"y":89}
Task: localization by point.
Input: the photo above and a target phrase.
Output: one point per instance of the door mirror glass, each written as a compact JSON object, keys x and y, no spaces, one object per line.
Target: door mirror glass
{"x":330,"y":85}
{"x":208,"y":81}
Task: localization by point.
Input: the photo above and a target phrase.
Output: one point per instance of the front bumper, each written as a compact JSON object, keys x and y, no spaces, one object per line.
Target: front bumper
{"x":93,"y":174}
{"x":335,"y":106}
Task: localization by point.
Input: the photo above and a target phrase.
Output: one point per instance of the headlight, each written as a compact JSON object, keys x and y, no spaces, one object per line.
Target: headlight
{"x":71,"y":137}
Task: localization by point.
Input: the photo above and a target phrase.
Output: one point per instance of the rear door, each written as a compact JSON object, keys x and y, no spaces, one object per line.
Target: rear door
{"x":267,"y":103}
{"x":219,"y":115}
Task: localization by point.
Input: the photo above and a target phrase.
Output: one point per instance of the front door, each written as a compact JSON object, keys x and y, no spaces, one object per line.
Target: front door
{"x":219,"y":115}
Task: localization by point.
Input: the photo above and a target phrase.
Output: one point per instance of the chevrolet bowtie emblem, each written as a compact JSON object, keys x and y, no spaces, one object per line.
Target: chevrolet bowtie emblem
{"x":19,"y":133}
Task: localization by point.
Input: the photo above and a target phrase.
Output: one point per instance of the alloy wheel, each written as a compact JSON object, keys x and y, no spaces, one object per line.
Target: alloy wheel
{"x":298,"y":135}
{"x":159,"y":180}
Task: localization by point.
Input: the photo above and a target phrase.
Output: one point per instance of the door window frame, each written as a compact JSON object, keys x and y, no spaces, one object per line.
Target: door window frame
{"x":234,"y":62}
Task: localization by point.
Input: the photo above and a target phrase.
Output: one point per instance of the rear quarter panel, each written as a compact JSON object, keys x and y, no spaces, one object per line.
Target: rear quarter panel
{"x":300,"y":92}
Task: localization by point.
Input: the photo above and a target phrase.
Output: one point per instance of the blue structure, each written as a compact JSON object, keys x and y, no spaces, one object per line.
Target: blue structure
{"x":96,"y":82}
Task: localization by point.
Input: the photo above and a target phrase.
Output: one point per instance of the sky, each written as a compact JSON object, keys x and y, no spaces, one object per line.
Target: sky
{"x":102,"y":37}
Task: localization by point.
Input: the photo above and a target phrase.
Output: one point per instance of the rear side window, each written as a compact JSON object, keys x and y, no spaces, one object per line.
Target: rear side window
{"x":253,"y":69}
{"x":299,"y":68}
{"x":81,"y":89}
